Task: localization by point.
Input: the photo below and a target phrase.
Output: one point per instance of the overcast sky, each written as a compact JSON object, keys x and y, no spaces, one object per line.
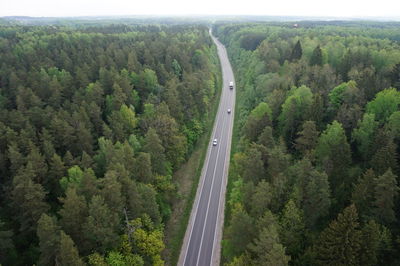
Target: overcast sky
{"x":336,"y":8}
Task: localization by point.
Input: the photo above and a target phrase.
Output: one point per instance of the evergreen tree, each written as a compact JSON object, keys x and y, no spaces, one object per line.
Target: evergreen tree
{"x":316,"y":197}
{"x":100,"y":228}
{"x":267,"y":248}
{"x":68,"y":254}
{"x":363,"y":194}
{"x":261,"y":198}
{"x":340,"y":242}
{"x":240,"y":232}
{"x":331,"y":143}
{"x":153,"y":146}
{"x":143,"y":171}
{"x":266,"y":138}
{"x":308,"y":137}
{"x":6,"y":243}
{"x":292,"y":228}
{"x":297,"y":52}
{"x":28,"y":200}
{"x":386,"y":190}
{"x":370,"y":243}
{"x":395,"y":76}
{"x":364,"y":135}
{"x":385,"y":158}
{"x":48,"y":233}
{"x":316,"y":57}
{"x":73,"y":214}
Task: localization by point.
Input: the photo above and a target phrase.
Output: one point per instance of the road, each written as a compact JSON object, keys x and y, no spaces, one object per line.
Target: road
{"x":202,"y":242}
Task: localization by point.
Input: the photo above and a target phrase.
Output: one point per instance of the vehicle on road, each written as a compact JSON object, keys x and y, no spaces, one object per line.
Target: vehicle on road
{"x":231,"y":85}
{"x":229,"y":111}
{"x":215,"y":142}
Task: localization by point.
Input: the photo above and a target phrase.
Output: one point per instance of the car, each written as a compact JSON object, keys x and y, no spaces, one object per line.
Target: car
{"x":229,"y":111}
{"x":231,"y":85}
{"x":215,"y":142}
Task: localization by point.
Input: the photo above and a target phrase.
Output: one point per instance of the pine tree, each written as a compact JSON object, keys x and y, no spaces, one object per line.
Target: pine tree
{"x":240,"y":232}
{"x":56,"y":171}
{"x":316,"y":197}
{"x":6,"y":242}
{"x":143,"y":168}
{"x":28,"y":200}
{"x":385,"y":158}
{"x":153,"y":146}
{"x":316,"y":57}
{"x":73,"y":214}
{"x":37,"y":163}
{"x":370,"y":244}
{"x":48,"y":233}
{"x":111,"y":191}
{"x":101,"y":226}
{"x":68,"y":253}
{"x":261,"y":198}
{"x":395,"y":76}
{"x":292,"y":228}
{"x":297,"y":52}
{"x":340,"y":242}
{"x":331,"y":143}
{"x":266,"y":138}
{"x":267,"y":248}
{"x":363,"y":193}
{"x":386,"y":190}
{"x":308,"y":137}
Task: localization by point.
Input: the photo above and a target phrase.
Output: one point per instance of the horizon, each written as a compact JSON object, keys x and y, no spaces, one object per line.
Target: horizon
{"x":179,"y":8}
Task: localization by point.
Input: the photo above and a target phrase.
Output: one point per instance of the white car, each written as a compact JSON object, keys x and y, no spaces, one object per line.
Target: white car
{"x":229,"y":111}
{"x":215,"y":142}
{"x":231,"y":85}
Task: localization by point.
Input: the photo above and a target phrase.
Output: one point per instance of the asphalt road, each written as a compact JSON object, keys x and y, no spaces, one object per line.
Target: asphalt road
{"x":201,"y":245}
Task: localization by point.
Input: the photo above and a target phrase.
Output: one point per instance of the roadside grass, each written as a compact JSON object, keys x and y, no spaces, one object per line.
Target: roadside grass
{"x":187,"y":178}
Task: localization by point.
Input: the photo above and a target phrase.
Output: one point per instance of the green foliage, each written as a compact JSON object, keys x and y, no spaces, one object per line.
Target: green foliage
{"x":363,"y":193}
{"x":259,"y":118}
{"x":308,"y":137}
{"x":384,"y":104}
{"x":48,"y":233}
{"x":337,"y":94}
{"x":297,"y":51}
{"x":267,"y":248}
{"x":295,"y":110}
{"x":69,"y":255}
{"x":386,"y":190}
{"x":340,"y":242}
{"x":364,"y":135}
{"x":296,"y":168}
{"x":73,"y":179}
{"x":100,"y":228}
{"x":316,"y":57}
{"x":331,"y":143}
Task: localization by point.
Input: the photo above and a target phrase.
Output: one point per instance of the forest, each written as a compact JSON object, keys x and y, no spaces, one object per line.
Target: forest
{"x":314,"y":176}
{"x":94,"y":120}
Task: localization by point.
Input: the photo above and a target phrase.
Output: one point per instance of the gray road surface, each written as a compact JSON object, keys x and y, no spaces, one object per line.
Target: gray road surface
{"x":202,"y":242}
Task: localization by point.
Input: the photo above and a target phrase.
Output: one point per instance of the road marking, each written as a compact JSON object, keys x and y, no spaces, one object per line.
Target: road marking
{"x":209,"y":197}
{"x":225,"y":173}
{"x":204,"y":172}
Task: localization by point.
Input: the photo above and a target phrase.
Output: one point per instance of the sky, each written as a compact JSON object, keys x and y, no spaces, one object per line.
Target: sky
{"x":331,"y":8}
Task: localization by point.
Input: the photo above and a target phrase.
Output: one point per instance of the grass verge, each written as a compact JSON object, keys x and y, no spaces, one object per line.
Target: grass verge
{"x":187,"y":178}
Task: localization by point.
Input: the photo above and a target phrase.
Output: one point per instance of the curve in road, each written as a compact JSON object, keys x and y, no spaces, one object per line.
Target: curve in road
{"x":202,"y":242}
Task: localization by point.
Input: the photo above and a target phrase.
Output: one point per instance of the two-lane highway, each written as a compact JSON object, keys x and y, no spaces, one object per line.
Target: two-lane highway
{"x":202,"y":242}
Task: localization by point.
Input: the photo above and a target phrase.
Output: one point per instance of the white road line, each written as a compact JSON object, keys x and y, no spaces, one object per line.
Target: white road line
{"x":203,"y":174}
{"x":209,"y":197}
{"x":225,"y":174}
